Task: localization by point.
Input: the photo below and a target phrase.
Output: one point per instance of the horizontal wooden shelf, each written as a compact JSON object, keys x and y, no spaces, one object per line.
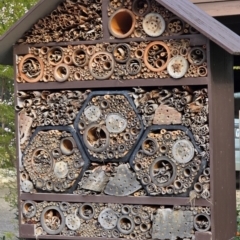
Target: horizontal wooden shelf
{"x":112,"y":83}
{"x":195,"y":39}
{"x":76,"y":237}
{"x":145,"y":200}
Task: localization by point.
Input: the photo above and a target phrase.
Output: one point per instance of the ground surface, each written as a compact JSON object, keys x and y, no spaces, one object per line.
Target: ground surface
{"x":8,"y":223}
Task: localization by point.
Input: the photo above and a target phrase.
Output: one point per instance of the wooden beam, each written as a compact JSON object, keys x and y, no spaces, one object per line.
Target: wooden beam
{"x":218,"y":8}
{"x":111,"y":84}
{"x":210,"y":1}
{"x":205,"y":24}
{"x":222,"y":160}
{"x":145,"y":200}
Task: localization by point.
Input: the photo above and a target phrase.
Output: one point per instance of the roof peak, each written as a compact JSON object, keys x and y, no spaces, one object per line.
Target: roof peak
{"x":184,"y":9}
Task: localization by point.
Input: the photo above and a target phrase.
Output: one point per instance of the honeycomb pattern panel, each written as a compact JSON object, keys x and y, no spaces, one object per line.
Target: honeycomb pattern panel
{"x":167,"y":161}
{"x":54,"y":161}
{"x":109,"y":126}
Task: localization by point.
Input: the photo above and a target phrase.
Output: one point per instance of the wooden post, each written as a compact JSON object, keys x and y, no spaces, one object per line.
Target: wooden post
{"x":222,"y":144}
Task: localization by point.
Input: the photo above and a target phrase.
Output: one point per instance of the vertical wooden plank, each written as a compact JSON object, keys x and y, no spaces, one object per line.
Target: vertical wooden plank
{"x":27,"y":231}
{"x":106,"y":33}
{"x":203,"y":236}
{"x":221,"y":100}
{"x":16,"y":136}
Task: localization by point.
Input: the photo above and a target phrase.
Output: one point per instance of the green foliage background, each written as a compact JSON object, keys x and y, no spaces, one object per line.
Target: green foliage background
{"x":10,"y":12}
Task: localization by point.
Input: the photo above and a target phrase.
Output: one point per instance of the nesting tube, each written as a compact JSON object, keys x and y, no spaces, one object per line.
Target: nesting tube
{"x":122,"y":23}
{"x":68,"y":60}
{"x":67,"y":146}
{"x":126,"y":210}
{"x":31,"y":68}
{"x":144,"y":227}
{"x":198,"y":187}
{"x":21,"y":94}
{"x":86,"y":208}
{"x":61,"y":72}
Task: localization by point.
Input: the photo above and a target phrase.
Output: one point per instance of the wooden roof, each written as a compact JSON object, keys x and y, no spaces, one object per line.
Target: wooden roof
{"x":40,"y":10}
{"x":219,"y":8}
{"x":185,"y":9}
{"x":205,"y":24}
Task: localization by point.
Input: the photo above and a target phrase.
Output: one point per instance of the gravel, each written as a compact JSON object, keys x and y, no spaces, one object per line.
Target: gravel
{"x":8,"y":223}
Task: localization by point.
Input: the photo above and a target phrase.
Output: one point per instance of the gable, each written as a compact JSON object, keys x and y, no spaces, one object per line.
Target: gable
{"x":81,"y":21}
{"x":192,"y":15}
{"x":129,"y":40}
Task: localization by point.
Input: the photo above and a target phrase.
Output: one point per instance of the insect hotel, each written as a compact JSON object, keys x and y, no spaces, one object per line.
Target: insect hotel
{"x":124,"y":112}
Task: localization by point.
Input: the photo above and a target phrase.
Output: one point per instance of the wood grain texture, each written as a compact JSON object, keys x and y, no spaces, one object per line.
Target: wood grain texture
{"x":26,"y":230}
{"x":18,"y":155}
{"x":210,"y":1}
{"x":157,"y":201}
{"x":112,"y":83}
{"x":203,"y":236}
{"x":59,"y":237}
{"x":195,"y":39}
{"x":222,"y":158}
{"x":205,"y":24}
{"x":224,"y":8}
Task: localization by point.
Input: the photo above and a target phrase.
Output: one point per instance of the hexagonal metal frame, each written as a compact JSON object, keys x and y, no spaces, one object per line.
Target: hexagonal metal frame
{"x":79,"y":146}
{"x":80,"y":136}
{"x":170,"y":127}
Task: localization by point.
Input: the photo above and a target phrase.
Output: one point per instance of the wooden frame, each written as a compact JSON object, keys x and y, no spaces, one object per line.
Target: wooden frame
{"x":218,"y":8}
{"x":220,"y":86}
{"x":220,"y":130}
